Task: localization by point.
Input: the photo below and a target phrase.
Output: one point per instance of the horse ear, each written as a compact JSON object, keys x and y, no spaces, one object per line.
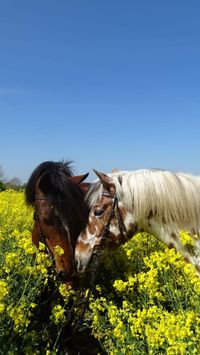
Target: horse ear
{"x":106,"y":181}
{"x":115,"y":170}
{"x":78,"y":178}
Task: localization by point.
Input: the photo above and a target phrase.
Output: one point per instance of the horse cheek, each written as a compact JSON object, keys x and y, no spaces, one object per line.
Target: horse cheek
{"x":35,"y":236}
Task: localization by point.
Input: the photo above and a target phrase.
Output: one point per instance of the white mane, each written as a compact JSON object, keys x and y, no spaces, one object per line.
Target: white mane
{"x":173,"y":197}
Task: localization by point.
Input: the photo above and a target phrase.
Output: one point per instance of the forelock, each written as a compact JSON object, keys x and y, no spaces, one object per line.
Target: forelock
{"x":94,"y":193}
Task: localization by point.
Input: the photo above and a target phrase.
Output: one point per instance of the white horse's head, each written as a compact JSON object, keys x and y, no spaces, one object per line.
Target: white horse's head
{"x":105,"y":228}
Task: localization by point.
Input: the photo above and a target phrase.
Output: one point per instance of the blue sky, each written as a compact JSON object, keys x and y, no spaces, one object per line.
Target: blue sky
{"x":107,"y":84}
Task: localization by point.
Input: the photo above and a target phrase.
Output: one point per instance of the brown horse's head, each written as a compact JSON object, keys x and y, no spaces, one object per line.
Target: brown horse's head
{"x":60,"y":213}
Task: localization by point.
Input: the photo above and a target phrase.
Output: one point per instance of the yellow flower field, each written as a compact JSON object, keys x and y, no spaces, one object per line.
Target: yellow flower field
{"x":146,"y":301}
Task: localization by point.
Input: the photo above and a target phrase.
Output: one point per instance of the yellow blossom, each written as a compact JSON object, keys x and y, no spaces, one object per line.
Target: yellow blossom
{"x":59,"y":251}
{"x":58,"y":314}
{"x":186,"y":239}
{"x":17,"y":314}
{"x":66,"y":291}
{"x":3,"y":289}
{"x":2,"y":307}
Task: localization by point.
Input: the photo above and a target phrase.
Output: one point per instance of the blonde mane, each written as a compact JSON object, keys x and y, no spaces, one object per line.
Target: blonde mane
{"x":171,"y":197}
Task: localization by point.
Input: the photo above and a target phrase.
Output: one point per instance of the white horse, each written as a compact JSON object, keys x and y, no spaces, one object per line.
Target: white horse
{"x":158,"y":202}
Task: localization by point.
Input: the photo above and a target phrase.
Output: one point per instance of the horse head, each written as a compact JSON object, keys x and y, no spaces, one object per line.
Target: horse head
{"x":60,"y":214}
{"x":106,"y":227}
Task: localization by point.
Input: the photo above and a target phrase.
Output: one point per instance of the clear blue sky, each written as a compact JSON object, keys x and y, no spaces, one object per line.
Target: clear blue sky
{"x":107,"y":83}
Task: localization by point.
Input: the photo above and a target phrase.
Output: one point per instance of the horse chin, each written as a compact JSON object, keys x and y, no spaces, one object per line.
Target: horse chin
{"x":82,"y":269}
{"x":82,"y":264}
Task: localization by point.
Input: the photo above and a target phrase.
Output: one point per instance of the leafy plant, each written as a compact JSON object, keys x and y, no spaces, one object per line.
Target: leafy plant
{"x":147,"y":299}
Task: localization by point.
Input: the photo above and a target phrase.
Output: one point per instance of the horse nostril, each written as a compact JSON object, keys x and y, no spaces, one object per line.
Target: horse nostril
{"x":62,"y":275}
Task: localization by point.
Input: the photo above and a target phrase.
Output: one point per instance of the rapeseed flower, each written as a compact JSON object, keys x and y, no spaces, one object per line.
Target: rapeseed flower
{"x":19,"y":317}
{"x":66,"y":291}
{"x":186,"y":239}
{"x":58,"y":314}
{"x":3,"y":289}
{"x":59,"y":251}
{"x":2,"y":307}
{"x":147,"y":302}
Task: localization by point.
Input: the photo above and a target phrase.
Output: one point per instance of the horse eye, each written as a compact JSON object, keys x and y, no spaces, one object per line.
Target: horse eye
{"x":98,"y":212}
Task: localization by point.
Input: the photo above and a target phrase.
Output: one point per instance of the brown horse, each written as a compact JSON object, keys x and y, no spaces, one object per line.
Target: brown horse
{"x":60,"y":212}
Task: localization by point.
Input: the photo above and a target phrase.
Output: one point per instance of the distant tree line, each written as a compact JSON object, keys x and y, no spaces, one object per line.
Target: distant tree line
{"x":13,"y":183}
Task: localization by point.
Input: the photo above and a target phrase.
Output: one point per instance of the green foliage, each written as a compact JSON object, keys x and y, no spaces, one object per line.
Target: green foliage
{"x":147,"y":299}
{"x":34,"y":306}
{"x":2,"y":186}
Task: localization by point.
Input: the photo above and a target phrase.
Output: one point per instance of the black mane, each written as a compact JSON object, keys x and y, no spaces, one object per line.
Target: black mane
{"x":57,"y":171}
{"x":66,"y":196}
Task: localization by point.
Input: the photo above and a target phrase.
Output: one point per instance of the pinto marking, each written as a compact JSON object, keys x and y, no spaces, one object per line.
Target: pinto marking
{"x":158,"y":202}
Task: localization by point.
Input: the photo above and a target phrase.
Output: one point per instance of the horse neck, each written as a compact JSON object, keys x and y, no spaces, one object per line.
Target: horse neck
{"x":137,"y":219}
